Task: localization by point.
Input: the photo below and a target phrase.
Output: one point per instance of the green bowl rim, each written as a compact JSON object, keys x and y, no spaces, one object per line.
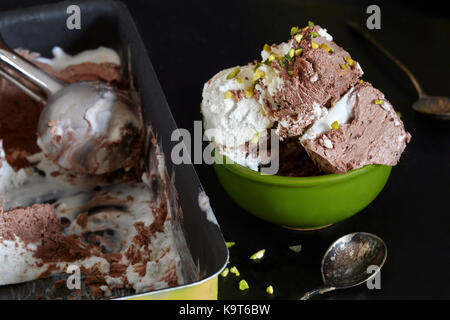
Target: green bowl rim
{"x":298,"y":181}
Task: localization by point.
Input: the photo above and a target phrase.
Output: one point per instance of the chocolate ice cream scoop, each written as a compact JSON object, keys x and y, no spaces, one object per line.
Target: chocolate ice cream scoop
{"x":85,"y":127}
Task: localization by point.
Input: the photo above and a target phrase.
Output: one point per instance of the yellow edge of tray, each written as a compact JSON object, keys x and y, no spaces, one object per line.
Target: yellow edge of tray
{"x":205,"y":291}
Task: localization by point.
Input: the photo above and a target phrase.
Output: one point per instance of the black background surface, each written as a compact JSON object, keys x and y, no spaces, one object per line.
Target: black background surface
{"x":189,"y":41}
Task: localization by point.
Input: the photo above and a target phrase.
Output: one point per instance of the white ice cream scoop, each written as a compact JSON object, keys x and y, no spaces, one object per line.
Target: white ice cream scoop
{"x":85,"y":127}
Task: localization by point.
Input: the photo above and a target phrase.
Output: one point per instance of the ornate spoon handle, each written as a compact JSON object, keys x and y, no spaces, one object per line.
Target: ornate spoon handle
{"x":317,"y":291}
{"x":354,"y":26}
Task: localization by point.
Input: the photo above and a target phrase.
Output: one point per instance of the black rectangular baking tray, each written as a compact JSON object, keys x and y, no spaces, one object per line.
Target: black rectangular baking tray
{"x":109,"y":23}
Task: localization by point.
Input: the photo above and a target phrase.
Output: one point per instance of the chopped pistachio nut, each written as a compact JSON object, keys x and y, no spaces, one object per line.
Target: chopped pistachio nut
{"x":263,"y":112}
{"x":296,"y":248}
{"x":294,"y":30}
{"x":258,"y":255}
{"x":284,"y":62}
{"x":255,"y":138}
{"x":349,"y":60}
{"x":233,"y":73}
{"x":248,"y":92}
{"x":257,"y":65}
{"x":243,"y":285}
{"x":399,"y":114}
{"x":267,"y":47}
{"x":298,"y":37}
{"x":291,"y":53}
{"x":310,"y":23}
{"x":290,"y":72}
{"x":344,"y":66}
{"x":239,"y":80}
{"x":378,"y":101}
{"x":271,"y":57}
{"x":314,"y":45}
{"x":235,"y":271}
{"x":225,"y":272}
{"x":298,"y":52}
{"x":325,"y":47}
{"x":230,"y":244}
{"x":269,"y":290}
{"x":258,"y":74}
{"x":335,"y":125}
{"x":314,"y":34}
{"x":228,"y":95}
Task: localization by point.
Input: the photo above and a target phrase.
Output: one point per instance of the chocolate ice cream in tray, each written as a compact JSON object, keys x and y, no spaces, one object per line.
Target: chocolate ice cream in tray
{"x":145,"y":231}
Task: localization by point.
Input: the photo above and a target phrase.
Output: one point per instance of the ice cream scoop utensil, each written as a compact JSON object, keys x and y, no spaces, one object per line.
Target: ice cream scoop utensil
{"x":346,"y":262}
{"x":435,"y":107}
{"x":85,"y":127}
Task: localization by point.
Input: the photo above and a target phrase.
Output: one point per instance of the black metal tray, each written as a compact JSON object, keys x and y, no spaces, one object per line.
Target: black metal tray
{"x":109,"y":23}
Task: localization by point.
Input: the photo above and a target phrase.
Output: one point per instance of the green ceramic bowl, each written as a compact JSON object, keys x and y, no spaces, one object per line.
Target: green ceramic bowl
{"x":303,"y":202}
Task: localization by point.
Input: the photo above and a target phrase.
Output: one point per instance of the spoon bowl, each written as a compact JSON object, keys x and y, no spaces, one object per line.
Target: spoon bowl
{"x":348,"y":260}
{"x":435,"y":107}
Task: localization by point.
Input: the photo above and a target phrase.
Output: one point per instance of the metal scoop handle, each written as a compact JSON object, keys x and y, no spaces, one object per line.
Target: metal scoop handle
{"x":28,"y":70}
{"x":21,"y":86}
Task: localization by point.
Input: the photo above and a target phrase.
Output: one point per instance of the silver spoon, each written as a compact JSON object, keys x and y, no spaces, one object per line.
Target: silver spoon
{"x":85,"y":127}
{"x":435,"y":107}
{"x":346,"y":262}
